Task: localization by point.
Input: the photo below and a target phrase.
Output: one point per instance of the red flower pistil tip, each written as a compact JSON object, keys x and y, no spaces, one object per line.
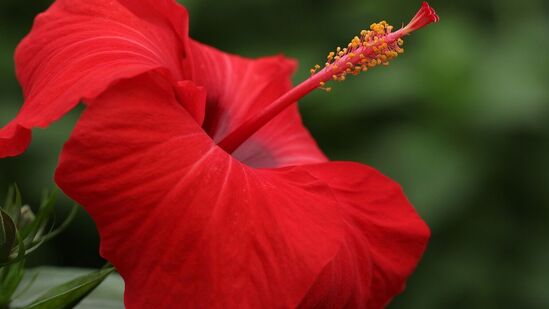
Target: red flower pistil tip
{"x":424,"y":16}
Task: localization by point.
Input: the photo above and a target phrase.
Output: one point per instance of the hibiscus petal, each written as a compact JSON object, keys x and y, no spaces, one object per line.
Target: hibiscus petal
{"x":193,"y":98}
{"x":19,"y":141}
{"x":238,"y":88}
{"x":77,"y":48}
{"x":385,"y":239}
{"x":183,"y":221}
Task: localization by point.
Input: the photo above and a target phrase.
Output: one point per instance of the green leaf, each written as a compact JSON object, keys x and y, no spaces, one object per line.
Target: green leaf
{"x":7,"y":235}
{"x":62,"y":226}
{"x":10,"y":277}
{"x":42,"y":237}
{"x":13,"y":202}
{"x":37,"y":227}
{"x":69,"y":294}
{"x":108,"y":295}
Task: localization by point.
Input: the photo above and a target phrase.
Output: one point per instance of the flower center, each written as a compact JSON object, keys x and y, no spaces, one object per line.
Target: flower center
{"x":373,"y":47}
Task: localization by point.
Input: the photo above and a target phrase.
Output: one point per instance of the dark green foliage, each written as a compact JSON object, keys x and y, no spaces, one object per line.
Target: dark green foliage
{"x":30,"y":230}
{"x":21,"y":232}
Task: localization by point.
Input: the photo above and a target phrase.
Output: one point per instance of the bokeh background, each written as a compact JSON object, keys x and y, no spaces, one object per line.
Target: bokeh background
{"x":461,"y":120}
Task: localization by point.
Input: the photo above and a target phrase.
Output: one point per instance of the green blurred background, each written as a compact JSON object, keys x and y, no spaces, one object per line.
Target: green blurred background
{"x":461,"y":120}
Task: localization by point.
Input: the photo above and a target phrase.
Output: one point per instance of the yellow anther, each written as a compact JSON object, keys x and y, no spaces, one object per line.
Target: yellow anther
{"x":379,"y":28}
{"x":355,"y":42}
{"x":370,"y":49}
{"x":313,"y":71}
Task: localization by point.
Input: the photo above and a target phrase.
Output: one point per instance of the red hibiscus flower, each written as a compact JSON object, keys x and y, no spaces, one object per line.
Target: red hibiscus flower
{"x":207,"y":190}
